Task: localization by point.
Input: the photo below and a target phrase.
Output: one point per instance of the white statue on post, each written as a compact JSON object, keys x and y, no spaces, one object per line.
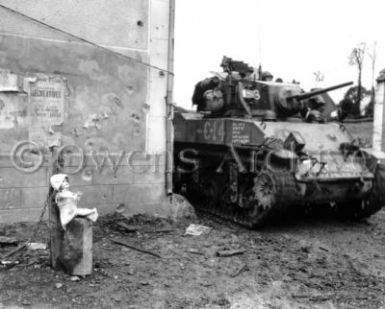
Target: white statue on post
{"x":67,"y":201}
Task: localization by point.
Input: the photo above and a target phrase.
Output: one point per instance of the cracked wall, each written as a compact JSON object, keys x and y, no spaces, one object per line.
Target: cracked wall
{"x":112,"y":110}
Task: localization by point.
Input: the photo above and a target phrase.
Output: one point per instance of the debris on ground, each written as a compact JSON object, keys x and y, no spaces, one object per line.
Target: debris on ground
{"x":238,"y":270}
{"x":75,"y":278}
{"x":5,"y":262}
{"x":225,"y":253}
{"x":122,"y":243}
{"x":14,"y":251}
{"x":127,"y":228}
{"x":194,"y":251}
{"x":181,"y":208}
{"x":140,"y":223}
{"x":8,"y":241}
{"x":197,"y":230}
{"x":37,"y":246}
{"x":310,"y":263}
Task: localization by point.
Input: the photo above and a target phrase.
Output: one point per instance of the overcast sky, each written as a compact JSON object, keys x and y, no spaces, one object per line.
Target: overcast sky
{"x":291,"y":39}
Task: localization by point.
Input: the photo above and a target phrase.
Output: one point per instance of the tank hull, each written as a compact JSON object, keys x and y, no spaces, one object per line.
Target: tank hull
{"x":250,"y":171}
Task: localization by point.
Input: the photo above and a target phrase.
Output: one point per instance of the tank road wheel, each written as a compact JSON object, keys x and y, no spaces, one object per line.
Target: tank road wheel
{"x":270,"y":195}
{"x":264,"y":189}
{"x":258,"y":200}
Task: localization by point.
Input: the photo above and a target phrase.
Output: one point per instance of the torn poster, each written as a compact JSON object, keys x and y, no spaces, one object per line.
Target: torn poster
{"x":9,"y":82}
{"x":13,"y":110}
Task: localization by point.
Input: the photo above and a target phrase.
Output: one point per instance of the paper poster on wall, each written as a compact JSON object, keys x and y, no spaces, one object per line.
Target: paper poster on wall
{"x":46,"y":99}
{"x":13,"y":111}
{"x":9,"y":82}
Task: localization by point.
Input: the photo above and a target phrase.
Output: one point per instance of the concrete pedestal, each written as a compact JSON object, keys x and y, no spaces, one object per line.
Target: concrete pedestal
{"x":71,"y":249}
{"x":76,"y":247}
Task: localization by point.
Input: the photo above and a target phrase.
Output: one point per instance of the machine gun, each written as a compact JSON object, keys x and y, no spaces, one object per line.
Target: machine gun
{"x":229,"y":65}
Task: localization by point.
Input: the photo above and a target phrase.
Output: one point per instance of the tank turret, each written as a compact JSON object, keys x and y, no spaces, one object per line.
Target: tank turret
{"x":242,"y":92}
{"x":291,"y":99}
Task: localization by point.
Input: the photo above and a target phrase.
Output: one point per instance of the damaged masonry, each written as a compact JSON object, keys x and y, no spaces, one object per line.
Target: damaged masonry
{"x":268,"y":195}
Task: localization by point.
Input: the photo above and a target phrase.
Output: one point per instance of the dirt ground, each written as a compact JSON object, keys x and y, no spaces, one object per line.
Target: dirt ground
{"x":307,"y":263}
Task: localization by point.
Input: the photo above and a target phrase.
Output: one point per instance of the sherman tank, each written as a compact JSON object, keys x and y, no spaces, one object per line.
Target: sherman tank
{"x":255,"y":150}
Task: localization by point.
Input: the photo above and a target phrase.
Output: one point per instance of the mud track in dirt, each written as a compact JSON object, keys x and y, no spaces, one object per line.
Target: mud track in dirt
{"x":308,"y":263}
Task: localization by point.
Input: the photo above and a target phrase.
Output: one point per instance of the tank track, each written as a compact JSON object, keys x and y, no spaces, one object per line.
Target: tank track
{"x":285,"y":195}
{"x":363,"y":208}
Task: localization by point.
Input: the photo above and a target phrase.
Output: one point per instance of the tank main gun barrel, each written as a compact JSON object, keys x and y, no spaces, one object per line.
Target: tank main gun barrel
{"x":310,"y":94}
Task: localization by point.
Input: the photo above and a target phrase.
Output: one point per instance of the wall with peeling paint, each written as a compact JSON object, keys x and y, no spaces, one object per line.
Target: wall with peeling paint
{"x":113,"y":108}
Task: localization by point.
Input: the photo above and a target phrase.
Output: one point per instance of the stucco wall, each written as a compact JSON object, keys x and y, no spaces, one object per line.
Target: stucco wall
{"x":113,"y":107}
